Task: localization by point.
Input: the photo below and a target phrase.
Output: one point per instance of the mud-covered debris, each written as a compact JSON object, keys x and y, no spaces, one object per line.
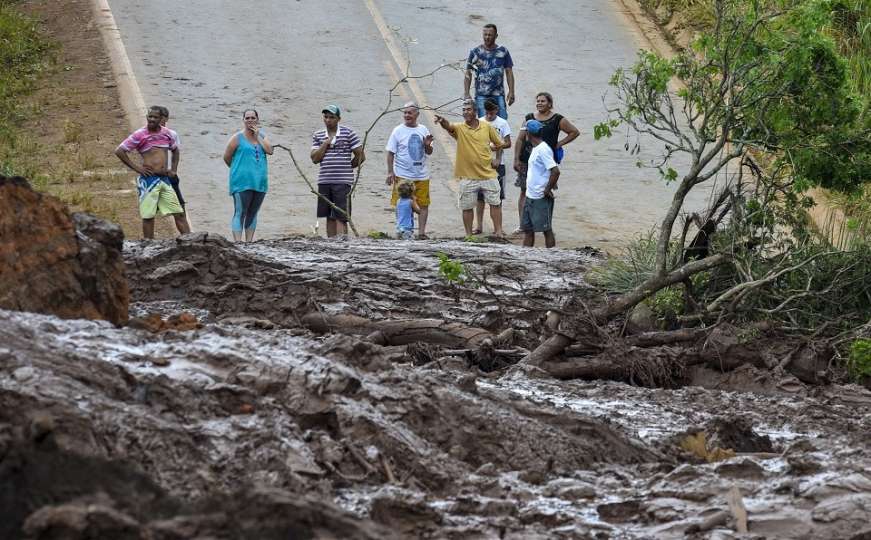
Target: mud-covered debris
{"x":745,"y":469}
{"x":697,"y":445}
{"x":737,"y":433}
{"x":154,"y":322}
{"x":619,"y":512}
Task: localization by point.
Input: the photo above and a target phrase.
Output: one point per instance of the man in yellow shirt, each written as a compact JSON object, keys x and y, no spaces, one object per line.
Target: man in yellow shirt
{"x":474,"y":166}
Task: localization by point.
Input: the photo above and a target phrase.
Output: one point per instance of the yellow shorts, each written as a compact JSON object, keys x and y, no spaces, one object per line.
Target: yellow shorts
{"x":421,"y":191}
{"x":156,"y":197}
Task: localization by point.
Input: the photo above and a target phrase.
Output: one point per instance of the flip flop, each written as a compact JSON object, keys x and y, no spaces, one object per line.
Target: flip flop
{"x":476,"y":231}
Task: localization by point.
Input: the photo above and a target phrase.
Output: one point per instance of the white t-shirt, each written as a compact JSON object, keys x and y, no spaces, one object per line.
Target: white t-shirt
{"x":538,"y":174}
{"x":502,"y":127}
{"x":409,"y":153}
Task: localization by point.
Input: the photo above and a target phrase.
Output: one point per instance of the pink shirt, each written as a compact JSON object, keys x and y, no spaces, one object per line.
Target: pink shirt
{"x":143,"y":140}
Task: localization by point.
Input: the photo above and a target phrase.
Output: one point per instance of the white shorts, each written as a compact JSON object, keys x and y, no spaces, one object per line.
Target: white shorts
{"x":469,"y":189}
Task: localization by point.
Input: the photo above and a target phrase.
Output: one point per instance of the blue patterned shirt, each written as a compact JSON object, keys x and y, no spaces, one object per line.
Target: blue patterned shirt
{"x":489,"y":67}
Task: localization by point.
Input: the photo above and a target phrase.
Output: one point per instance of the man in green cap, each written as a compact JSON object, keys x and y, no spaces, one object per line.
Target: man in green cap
{"x":338,"y":150}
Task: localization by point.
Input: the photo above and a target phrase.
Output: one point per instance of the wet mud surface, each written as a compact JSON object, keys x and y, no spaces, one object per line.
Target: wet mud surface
{"x":193,"y":427}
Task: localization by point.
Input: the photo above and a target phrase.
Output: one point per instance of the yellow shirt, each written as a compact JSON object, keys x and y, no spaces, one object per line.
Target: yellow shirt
{"x":473,"y":150}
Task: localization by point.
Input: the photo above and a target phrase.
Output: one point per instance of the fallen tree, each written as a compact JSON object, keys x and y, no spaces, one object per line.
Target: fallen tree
{"x":750,"y":89}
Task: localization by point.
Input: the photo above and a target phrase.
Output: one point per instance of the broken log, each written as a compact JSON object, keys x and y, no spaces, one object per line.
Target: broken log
{"x":662,"y":367}
{"x":399,"y":332}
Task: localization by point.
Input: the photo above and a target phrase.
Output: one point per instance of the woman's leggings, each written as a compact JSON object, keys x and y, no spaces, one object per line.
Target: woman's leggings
{"x":246,"y":204}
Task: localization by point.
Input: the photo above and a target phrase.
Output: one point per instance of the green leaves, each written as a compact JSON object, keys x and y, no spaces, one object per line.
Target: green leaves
{"x":859,"y":362}
{"x":451,"y":270}
{"x":604,"y":129}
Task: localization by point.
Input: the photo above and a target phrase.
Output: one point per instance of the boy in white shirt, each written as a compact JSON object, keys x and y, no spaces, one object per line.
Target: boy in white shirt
{"x":492,"y":117}
{"x":541,"y":177}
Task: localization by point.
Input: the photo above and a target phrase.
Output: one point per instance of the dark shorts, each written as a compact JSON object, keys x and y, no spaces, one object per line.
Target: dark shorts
{"x":521,"y":178}
{"x":336,"y":194}
{"x":174,"y":183}
{"x":537,"y":215}
{"x":501,"y":172}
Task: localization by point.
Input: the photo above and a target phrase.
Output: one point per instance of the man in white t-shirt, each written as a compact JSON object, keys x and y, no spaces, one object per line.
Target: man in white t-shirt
{"x":541,"y":176}
{"x":492,"y":117}
{"x":407,"y":149}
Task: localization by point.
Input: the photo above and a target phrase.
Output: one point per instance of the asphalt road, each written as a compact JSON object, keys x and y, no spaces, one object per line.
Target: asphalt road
{"x":207,"y":60}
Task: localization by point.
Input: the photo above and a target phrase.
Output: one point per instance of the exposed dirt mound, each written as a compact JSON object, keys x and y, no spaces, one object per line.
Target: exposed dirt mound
{"x":52,"y":262}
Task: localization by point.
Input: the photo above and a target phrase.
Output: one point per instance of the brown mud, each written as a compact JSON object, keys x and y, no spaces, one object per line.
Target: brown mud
{"x":247,"y":423}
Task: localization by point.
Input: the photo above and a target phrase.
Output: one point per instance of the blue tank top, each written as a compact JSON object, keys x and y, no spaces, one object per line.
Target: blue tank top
{"x":404,"y":215}
{"x":248,"y":168}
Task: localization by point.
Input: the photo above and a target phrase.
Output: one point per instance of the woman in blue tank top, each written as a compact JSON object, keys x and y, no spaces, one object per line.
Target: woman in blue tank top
{"x":246,"y":156}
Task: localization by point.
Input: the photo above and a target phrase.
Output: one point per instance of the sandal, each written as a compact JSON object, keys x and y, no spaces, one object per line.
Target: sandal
{"x":422,"y":237}
{"x":476,"y":231}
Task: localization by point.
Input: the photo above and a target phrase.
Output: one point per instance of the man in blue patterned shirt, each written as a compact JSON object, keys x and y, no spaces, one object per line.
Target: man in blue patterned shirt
{"x":491,"y":63}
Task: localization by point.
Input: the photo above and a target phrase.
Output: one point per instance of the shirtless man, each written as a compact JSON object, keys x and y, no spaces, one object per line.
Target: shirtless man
{"x":154,"y":185}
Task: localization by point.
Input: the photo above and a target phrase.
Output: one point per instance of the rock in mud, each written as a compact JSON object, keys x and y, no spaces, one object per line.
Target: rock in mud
{"x":53,"y":262}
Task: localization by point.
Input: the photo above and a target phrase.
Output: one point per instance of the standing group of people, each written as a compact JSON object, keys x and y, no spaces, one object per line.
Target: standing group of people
{"x":482,"y":139}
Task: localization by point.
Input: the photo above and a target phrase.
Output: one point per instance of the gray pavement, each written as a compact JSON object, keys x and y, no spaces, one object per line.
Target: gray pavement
{"x":207,"y":60}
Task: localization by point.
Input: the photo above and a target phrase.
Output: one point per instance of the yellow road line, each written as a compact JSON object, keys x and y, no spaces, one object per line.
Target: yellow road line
{"x":390,"y":41}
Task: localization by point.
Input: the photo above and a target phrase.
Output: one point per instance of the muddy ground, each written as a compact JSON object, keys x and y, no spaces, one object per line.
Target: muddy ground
{"x":235,"y":420}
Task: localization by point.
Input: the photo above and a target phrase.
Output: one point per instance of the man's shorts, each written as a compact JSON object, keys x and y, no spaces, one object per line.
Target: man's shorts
{"x":336,"y":194}
{"x":175,"y":188}
{"x":537,"y":215}
{"x":469,"y":189}
{"x":156,"y":197}
{"x":521,"y":177}
{"x":421,"y":191}
{"x":501,"y":178}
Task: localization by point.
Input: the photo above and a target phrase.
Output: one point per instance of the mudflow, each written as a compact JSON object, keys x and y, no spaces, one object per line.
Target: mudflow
{"x":305,"y":388}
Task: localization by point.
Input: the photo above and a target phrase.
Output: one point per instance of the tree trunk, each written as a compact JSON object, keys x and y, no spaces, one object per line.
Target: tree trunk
{"x":399,"y":332}
{"x":557,"y":343}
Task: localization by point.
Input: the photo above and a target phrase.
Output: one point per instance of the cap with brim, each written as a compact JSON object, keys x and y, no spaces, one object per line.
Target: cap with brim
{"x":534,"y":127}
{"x":332,"y":109}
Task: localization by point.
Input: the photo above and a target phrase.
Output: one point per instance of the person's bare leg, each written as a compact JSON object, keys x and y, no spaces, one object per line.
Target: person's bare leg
{"x":181,"y":223}
{"x":496,"y":216}
{"x":479,"y":214}
{"x":424,"y":213}
{"x":237,"y":236}
{"x":148,"y":228}
{"x":549,"y":239}
{"x":341,"y":227}
{"x":331,"y":228}
{"x":249,"y":234}
{"x":528,"y":238}
{"x":468,"y":217}
{"x":521,"y":200}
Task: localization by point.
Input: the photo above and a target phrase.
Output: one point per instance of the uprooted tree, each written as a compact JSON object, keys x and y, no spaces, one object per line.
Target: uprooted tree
{"x":762,"y":105}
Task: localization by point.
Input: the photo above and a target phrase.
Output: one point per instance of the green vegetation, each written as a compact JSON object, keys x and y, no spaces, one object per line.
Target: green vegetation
{"x":848,"y":24}
{"x":451,"y":270}
{"x":24,"y":55}
{"x":766,"y":84}
{"x":859,"y":362}
{"x":619,"y":275}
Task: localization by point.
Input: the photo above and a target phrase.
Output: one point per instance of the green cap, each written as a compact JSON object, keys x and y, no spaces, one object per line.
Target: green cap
{"x":333,"y":109}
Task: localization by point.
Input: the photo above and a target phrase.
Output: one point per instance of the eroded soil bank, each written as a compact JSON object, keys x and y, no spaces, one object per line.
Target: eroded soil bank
{"x":237,"y":420}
